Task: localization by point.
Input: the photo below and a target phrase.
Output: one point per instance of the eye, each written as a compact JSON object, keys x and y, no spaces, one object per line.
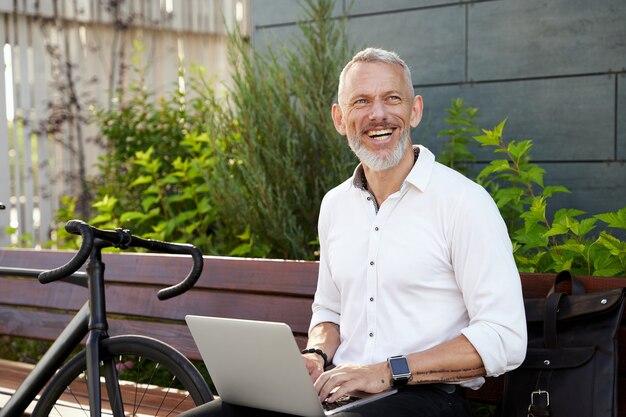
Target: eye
{"x":360,"y":101}
{"x":395,"y":99}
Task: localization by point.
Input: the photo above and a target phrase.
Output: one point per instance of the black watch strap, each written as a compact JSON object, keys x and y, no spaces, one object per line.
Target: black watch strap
{"x":400,"y":382}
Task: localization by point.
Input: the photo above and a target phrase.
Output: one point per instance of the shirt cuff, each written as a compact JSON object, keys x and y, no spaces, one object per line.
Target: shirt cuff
{"x":497,"y":356}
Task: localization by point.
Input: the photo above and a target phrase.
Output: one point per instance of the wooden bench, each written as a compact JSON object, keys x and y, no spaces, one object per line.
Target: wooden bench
{"x":272,"y":290}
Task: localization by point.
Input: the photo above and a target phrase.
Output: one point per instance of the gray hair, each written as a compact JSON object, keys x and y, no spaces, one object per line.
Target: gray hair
{"x":374,"y":55}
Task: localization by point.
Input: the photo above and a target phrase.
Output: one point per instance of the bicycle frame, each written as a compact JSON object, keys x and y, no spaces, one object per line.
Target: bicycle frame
{"x":90,"y":321}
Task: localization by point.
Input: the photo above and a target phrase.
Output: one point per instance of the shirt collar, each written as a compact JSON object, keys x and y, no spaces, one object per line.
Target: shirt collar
{"x":419,"y":176}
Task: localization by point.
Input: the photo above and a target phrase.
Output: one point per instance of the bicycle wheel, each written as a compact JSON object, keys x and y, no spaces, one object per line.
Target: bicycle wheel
{"x":154,"y":379}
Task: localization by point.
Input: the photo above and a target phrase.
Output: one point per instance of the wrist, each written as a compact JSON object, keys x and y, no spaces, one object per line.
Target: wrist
{"x":320,"y":353}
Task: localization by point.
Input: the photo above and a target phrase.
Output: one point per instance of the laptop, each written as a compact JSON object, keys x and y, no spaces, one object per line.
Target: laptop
{"x":258,"y":364}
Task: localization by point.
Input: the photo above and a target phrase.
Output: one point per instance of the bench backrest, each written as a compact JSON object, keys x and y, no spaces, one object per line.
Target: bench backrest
{"x":272,"y":290}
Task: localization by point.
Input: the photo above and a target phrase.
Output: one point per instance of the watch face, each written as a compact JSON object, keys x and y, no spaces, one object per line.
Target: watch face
{"x":399,"y":366}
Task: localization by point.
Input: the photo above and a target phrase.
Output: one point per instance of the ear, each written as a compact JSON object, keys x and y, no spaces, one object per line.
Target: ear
{"x":337,"y":115}
{"x":416,"y":111}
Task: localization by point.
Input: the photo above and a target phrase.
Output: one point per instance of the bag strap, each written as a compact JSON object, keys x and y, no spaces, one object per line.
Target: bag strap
{"x":577,"y":286}
{"x":549,"y":321}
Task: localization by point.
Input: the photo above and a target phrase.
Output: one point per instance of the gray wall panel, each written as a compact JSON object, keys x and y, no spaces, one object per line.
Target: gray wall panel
{"x":377,"y":6}
{"x":621,"y":118}
{"x":568,"y":119}
{"x":434,"y":55}
{"x":595,"y":187}
{"x":519,"y":39}
{"x":271,"y":36}
{"x":272,"y":12}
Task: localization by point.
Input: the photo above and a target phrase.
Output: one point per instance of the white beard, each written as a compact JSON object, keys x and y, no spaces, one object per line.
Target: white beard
{"x":375,"y":162}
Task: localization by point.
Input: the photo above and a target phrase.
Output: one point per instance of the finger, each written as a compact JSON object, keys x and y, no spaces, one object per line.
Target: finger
{"x":320,"y":382}
{"x":334,"y":381}
{"x":344,"y":389}
{"x":315,"y":374}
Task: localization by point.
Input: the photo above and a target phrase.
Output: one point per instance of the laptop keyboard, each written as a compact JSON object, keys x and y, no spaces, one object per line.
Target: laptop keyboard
{"x":339,"y":403}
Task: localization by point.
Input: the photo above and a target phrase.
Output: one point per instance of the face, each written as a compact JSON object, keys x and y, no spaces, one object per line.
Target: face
{"x":376,"y":112}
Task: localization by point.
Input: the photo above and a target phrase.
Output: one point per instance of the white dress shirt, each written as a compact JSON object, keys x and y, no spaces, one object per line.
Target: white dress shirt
{"x":435,"y":261}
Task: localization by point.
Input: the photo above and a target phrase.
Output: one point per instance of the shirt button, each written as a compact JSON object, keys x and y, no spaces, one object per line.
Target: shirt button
{"x":371,"y":334}
{"x":371,"y":262}
{"x":371,"y":298}
{"x":376,"y":228}
{"x":369,"y":198}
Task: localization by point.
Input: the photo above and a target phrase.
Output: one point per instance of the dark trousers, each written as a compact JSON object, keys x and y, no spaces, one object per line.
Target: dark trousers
{"x":413,"y":401}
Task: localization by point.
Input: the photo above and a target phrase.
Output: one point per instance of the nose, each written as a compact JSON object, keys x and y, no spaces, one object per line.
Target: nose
{"x":378,"y":111}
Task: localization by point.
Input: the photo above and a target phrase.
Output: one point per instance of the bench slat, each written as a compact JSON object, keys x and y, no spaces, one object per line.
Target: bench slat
{"x":297,"y":278}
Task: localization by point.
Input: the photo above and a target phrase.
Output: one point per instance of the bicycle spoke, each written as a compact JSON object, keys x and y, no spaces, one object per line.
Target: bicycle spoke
{"x":146,"y":376}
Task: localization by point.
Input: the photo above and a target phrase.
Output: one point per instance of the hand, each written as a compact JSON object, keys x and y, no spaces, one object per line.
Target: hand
{"x":345,"y":379}
{"x":314,"y":364}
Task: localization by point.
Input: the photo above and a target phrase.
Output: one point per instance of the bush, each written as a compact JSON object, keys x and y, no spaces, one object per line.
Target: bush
{"x":279,"y":153}
{"x":541,"y":244}
{"x":240,"y":176}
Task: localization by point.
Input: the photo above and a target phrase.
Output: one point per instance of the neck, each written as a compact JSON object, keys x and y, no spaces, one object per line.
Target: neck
{"x":384,"y":183}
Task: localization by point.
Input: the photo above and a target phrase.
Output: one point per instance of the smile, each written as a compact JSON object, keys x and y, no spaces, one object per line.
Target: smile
{"x":379,"y":134}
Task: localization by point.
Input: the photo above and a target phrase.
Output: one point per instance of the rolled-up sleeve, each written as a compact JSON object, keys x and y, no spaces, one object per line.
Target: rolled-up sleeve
{"x":485,"y":270}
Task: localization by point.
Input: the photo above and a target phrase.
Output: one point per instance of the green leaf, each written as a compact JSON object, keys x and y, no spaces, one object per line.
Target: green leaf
{"x":101,"y":218}
{"x":614,"y":219}
{"x":586,"y":225}
{"x":144,"y":179}
{"x":574,"y":247}
{"x":550,"y":190}
{"x":106,"y":203}
{"x":488,"y":139}
{"x":518,"y":150}
{"x":245,"y":235}
{"x":168,"y":179}
{"x":130,"y":216}
{"x":534,"y":174}
{"x":495,"y":166}
{"x":147,"y":202}
{"x":241,"y":250}
{"x":556,"y":230}
{"x":505,"y":195}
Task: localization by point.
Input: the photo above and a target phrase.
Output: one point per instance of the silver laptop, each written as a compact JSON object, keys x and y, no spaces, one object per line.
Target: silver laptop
{"x":258,"y":364}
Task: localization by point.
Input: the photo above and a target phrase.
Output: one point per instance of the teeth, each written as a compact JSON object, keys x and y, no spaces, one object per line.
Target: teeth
{"x":377,"y":133}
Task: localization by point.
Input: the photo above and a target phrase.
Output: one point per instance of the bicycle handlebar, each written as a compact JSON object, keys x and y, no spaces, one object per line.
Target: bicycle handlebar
{"x":123,"y":239}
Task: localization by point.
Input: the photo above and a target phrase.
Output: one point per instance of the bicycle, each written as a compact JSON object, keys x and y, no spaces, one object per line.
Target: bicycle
{"x":107,"y":363}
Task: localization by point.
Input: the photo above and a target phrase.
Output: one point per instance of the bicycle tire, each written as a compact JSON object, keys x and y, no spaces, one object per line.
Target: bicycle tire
{"x":67,"y":391}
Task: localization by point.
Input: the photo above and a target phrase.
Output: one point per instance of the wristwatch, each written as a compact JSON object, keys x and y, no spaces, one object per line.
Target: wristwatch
{"x":400,"y":372}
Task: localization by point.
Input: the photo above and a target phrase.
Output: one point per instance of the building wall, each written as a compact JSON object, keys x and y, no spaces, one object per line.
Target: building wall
{"x":556,"y":69}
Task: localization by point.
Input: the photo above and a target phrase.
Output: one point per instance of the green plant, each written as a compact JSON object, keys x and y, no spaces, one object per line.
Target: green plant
{"x":279,"y":152}
{"x":175,"y":204}
{"x":455,"y":152}
{"x":541,"y":244}
{"x":139,"y":122}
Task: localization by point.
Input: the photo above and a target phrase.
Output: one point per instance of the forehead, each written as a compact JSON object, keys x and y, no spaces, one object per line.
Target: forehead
{"x":371,"y":77}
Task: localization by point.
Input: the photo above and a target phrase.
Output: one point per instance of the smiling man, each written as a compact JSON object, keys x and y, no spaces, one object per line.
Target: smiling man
{"x":417,"y":287}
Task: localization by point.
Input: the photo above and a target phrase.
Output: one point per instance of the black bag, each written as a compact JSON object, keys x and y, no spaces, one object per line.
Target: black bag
{"x":570,"y":368}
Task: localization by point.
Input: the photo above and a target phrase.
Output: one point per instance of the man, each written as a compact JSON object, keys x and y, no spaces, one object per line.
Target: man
{"x":416,"y":264}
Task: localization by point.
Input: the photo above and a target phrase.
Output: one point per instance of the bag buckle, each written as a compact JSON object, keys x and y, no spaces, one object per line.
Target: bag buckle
{"x":539,"y":404}
{"x":537,"y":395}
